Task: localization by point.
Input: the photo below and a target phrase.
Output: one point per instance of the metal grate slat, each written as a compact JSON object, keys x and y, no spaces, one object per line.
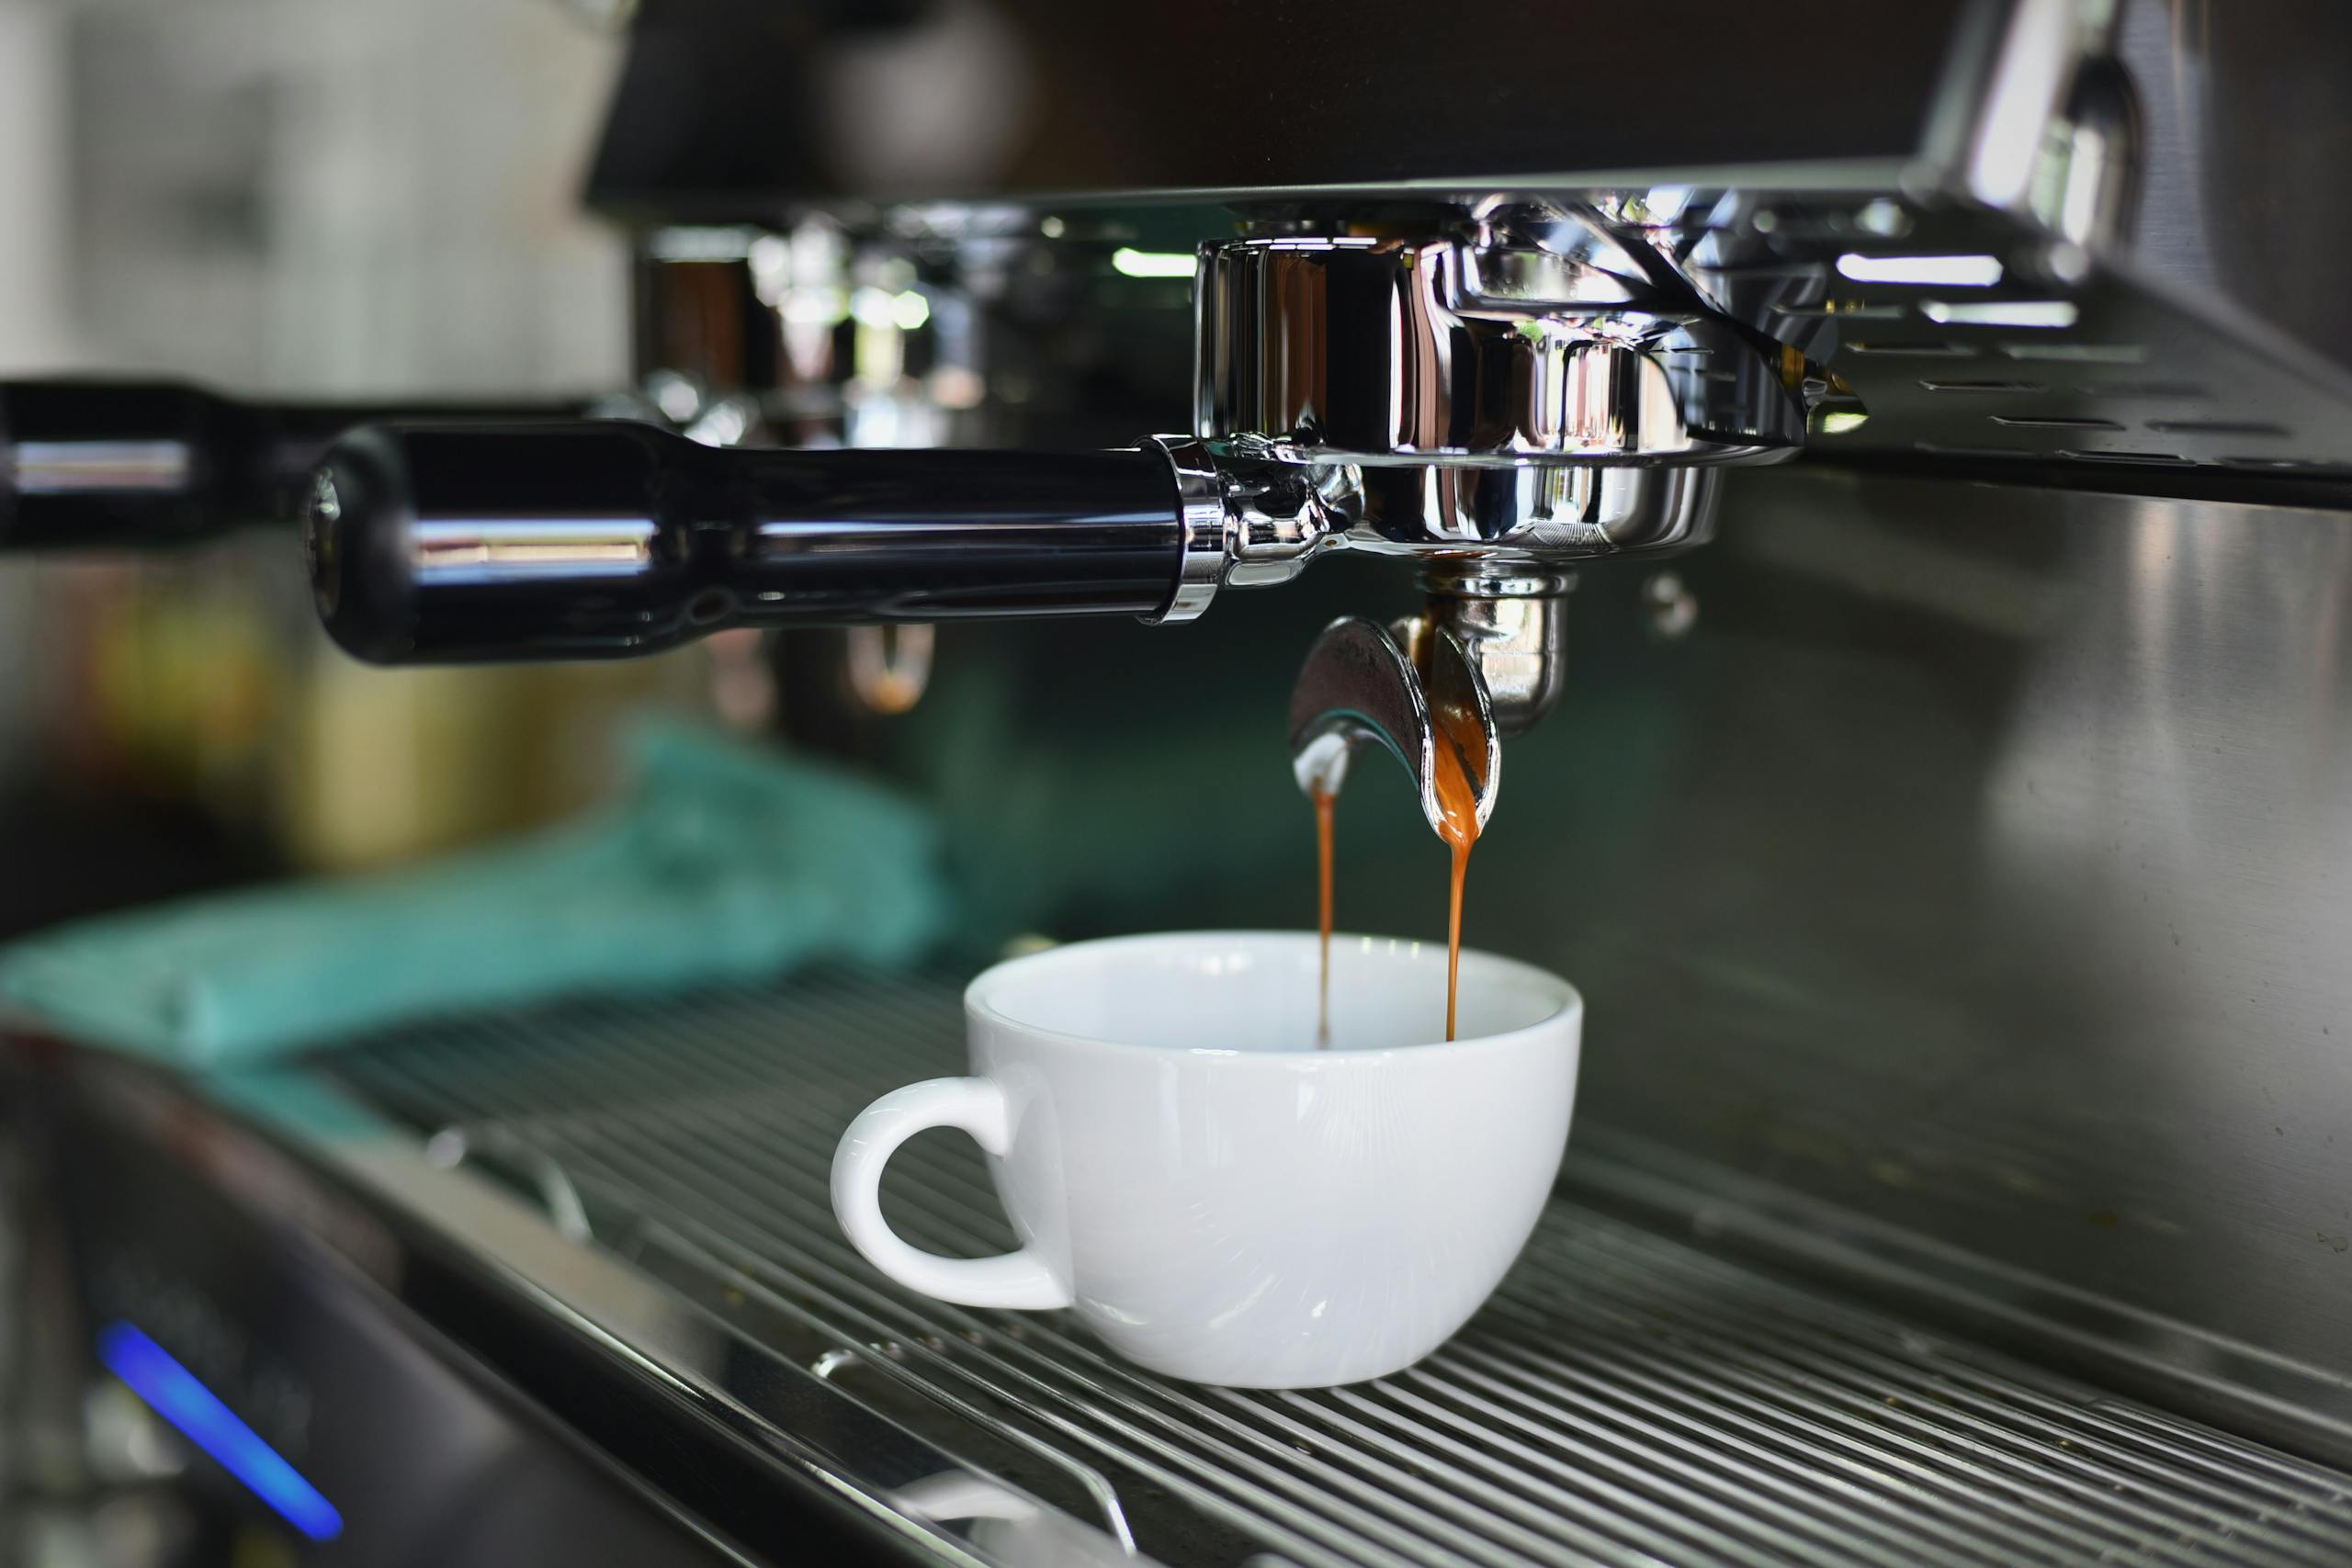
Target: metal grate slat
{"x":1624,"y":1400}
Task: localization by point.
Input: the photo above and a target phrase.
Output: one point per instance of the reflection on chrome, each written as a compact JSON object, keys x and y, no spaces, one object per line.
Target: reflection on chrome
{"x":1350,"y":350}
{"x":512,"y":550}
{"x":85,"y":468}
{"x":1014,"y":1527}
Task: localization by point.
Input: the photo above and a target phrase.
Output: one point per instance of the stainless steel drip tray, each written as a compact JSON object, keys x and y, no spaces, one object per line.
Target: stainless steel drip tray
{"x":1624,"y":1398}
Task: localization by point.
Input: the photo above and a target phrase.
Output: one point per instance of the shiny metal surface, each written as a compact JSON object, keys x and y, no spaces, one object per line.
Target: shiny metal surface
{"x":1498,"y":397}
{"x":1625,"y":1399}
{"x":1278,"y":515}
{"x":1202,"y":527}
{"x":69,"y":468}
{"x":1512,"y":632}
{"x":1363,"y":350}
{"x":1406,"y":690}
{"x":1484,"y":662}
{"x":1528,"y":515}
{"x":1964,"y":333}
{"x":481,"y":551}
{"x":2242,"y":129}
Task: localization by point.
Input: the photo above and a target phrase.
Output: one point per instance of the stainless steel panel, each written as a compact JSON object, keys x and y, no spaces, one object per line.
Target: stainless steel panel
{"x":1982,"y":863}
{"x":2057,"y":355}
{"x":2241,"y":120}
{"x":1625,"y":1399}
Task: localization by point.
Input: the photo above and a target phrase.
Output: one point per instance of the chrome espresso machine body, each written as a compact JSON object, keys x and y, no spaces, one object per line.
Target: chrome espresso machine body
{"x":1953,"y":850}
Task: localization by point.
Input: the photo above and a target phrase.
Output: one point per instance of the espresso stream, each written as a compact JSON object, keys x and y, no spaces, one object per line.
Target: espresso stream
{"x":1324,"y":801}
{"x":1457,"y":805}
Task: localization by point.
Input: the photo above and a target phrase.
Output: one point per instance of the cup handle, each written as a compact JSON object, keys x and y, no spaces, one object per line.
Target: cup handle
{"x":1022,"y":1278}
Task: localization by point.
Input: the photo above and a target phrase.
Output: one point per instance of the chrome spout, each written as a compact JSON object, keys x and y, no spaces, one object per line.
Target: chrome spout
{"x":1511,"y":631}
{"x":1408,"y":690}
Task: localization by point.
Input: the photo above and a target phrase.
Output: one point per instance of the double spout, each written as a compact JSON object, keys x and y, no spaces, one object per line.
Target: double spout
{"x":1438,"y":691}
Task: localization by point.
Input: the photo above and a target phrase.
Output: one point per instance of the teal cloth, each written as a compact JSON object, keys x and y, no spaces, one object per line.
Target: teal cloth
{"x":723,"y":863}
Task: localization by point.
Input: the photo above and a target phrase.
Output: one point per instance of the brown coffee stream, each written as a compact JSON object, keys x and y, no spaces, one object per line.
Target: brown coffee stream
{"x":1324,"y":801}
{"x":1457,"y":805}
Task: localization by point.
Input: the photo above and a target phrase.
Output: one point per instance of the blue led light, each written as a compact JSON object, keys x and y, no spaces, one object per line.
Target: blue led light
{"x":173,"y":1392}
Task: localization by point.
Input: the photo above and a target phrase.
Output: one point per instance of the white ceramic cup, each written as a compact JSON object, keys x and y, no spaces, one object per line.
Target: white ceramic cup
{"x":1218,"y":1199}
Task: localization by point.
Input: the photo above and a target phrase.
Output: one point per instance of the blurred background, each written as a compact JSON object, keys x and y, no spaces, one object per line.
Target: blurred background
{"x":346,"y":200}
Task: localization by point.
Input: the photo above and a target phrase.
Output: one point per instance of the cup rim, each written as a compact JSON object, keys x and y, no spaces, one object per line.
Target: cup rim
{"x":1569,"y":1004}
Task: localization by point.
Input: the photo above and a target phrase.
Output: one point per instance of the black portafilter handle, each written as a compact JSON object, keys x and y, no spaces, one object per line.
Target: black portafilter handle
{"x":455,"y":544}
{"x":97,"y":464}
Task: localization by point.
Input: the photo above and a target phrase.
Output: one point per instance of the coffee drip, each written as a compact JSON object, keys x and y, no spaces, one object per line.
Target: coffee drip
{"x":1456,"y":736}
{"x":1324,"y":801}
{"x":1458,"y":800}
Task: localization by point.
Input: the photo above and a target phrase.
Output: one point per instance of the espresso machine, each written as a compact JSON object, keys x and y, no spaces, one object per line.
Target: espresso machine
{"x":1885,"y":476}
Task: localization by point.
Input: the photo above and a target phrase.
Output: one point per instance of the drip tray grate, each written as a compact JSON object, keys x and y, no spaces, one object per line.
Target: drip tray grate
{"x":1625,"y":1399}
